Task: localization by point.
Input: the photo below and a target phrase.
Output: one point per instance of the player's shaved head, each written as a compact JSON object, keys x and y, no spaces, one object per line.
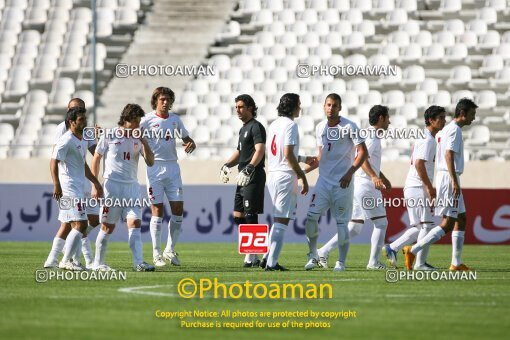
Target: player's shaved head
{"x":130,"y":112}
{"x":288,"y":104}
{"x":377,"y":111}
{"x":335,"y":97}
{"x":432,"y":113}
{"x":162,"y":91}
{"x":75,"y":102}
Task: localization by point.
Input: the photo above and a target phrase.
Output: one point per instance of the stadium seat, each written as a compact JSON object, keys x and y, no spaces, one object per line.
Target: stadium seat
{"x":459,"y":75}
{"x":455,"y":26}
{"x":456,"y":53}
{"x":393,"y":99}
{"x":373,"y":97}
{"x":419,"y":98}
{"x":412,"y":27}
{"x":343,"y":28}
{"x":367,"y":28}
{"x":479,"y":27}
{"x":458,"y":95}
{"x":491,"y":64}
{"x":409,"y":111}
{"x":450,"y":6}
{"x":358,"y":85}
{"x":442,"y":98}
{"x":396,"y":17}
{"x":433,"y":53}
{"x":340,"y":5}
{"x":486,"y":100}
{"x":413,"y":75}
{"x":362,"y":5}
{"x":410,"y":53}
{"x":478,"y":135}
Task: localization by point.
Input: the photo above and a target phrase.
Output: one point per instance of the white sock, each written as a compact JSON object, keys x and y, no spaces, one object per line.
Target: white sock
{"x":408,"y":237}
{"x":266,"y":255}
{"x":87,"y":250}
{"x":174,"y":230}
{"x":56,"y":248}
{"x":101,"y":243}
{"x":250,"y":258}
{"x":276,"y":244}
{"x":354,"y":229}
{"x":73,"y":241}
{"x":343,"y":241}
{"x":457,"y":243}
{"x":422,"y":255}
{"x":329,"y":246}
{"x":155,"y":229}
{"x":433,"y":236}
{"x":135,"y":243}
{"x":77,"y":255}
{"x":377,"y":240}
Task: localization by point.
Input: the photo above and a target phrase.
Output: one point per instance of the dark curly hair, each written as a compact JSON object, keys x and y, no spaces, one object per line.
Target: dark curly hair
{"x":288,"y":103}
{"x":249,"y":102}
{"x":432,"y":113}
{"x":130,"y":112}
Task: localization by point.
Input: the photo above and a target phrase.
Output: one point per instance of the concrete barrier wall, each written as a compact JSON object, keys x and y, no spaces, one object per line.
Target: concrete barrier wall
{"x":484,"y":175}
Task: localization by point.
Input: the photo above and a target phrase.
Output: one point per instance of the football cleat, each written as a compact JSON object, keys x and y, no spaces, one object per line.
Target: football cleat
{"x":104,"y":268}
{"x":253,"y":264}
{"x":263,"y":263}
{"x":69,"y":266}
{"x":158,"y":261}
{"x":391,"y":255}
{"x":172,"y":257}
{"x":313,"y":261}
{"x":78,"y":264}
{"x":323,"y":261}
{"x":276,"y":267}
{"x":377,"y":266}
{"x":339,"y":267}
{"x":461,"y":267}
{"x":49,"y":264}
{"x":144,"y":267}
{"x":409,"y":257}
{"x":425,"y":266}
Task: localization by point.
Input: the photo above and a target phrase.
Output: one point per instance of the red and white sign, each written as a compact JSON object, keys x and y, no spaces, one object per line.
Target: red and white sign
{"x":253,"y":238}
{"x":487,"y":217}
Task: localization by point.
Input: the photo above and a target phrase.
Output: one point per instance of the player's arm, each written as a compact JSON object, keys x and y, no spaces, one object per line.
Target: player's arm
{"x":449,"y":156}
{"x":258,"y":155}
{"x":147,"y":153}
{"x":57,"y":188}
{"x":419,"y":164}
{"x":385,"y":180}
{"x":189,"y":144}
{"x":361,"y":158}
{"x":233,"y":160}
{"x":371,"y":173}
{"x":288,"y":152}
{"x":312,"y":163}
{"x":97,"y":190}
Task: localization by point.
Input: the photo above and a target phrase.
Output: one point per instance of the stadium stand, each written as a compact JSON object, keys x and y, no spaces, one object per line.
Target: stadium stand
{"x":444,"y":50}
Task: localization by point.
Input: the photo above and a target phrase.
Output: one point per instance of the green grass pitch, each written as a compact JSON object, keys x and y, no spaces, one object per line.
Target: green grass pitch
{"x":403,"y":310}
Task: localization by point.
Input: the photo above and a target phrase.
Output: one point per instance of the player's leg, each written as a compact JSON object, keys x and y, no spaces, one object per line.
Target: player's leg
{"x":73,"y":241}
{"x":135,"y":243}
{"x":253,"y":205}
{"x":319,"y":203}
{"x":458,"y":243}
{"x":447,"y":207}
{"x":174,"y":230}
{"x":342,"y":208}
{"x":174,"y":193}
{"x":377,"y":241}
{"x":283,"y":191}
{"x":155,"y":192}
{"x":93,"y":221}
{"x":58,"y":245}
{"x":109,"y":217}
{"x":240,"y":219}
{"x":422,"y":256}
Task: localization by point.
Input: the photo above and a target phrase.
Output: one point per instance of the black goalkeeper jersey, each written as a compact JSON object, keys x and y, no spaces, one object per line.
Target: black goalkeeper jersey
{"x":250,"y":134}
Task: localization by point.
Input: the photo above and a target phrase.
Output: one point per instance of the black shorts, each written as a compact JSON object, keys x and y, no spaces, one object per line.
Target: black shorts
{"x":250,"y":199}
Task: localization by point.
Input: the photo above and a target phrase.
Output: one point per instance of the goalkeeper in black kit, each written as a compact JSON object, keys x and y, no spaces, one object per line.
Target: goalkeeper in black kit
{"x":249,"y":157}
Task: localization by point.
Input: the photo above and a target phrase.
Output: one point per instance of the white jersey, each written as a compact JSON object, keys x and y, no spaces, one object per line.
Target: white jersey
{"x":283,"y":131}
{"x":120,"y":157}
{"x":374,"y":154}
{"x":450,"y":138}
{"x":424,"y":149}
{"x":337,"y":153}
{"x":61,"y":129}
{"x":71,"y":151}
{"x":170,"y":127}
